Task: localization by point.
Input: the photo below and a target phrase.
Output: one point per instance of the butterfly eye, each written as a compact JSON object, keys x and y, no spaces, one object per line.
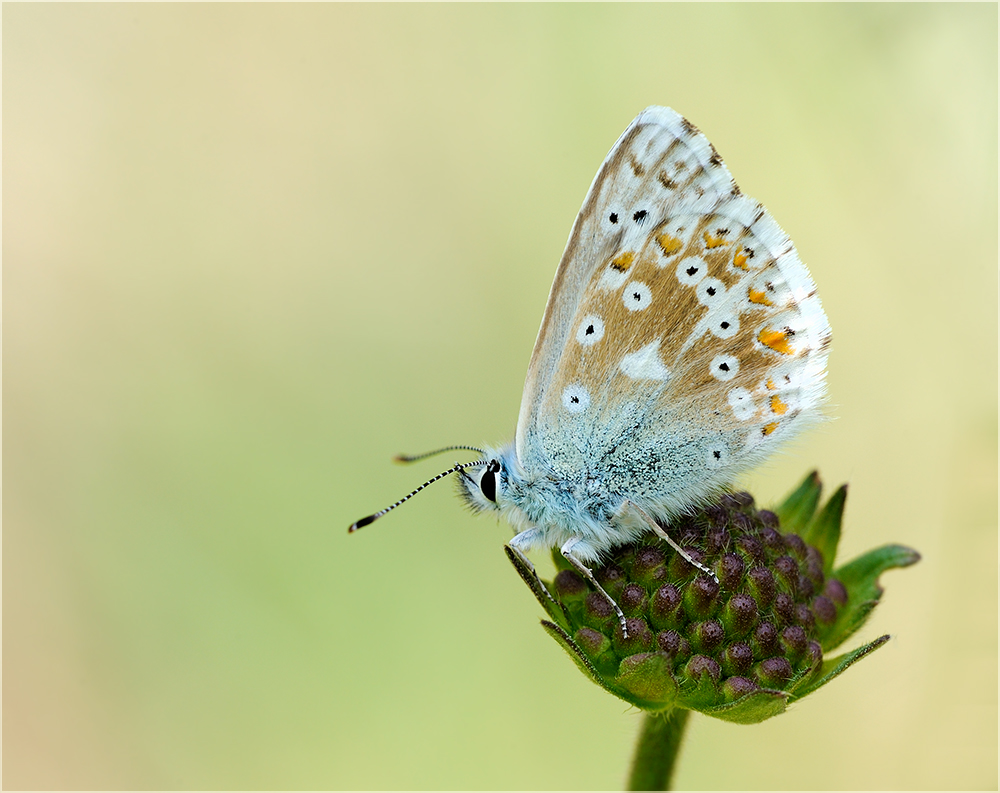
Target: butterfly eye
{"x":488,"y":482}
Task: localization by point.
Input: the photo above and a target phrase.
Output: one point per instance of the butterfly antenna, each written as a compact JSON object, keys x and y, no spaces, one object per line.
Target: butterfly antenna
{"x":372,"y":518}
{"x":412,"y":458}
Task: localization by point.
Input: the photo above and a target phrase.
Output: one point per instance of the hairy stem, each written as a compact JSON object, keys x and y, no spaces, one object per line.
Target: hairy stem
{"x":659,"y":742}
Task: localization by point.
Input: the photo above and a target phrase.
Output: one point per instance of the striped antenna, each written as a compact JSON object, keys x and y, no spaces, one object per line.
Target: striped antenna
{"x":372,"y":518}
{"x":412,"y":458}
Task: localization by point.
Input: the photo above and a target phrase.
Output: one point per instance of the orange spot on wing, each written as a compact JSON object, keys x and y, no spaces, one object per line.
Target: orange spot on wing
{"x":770,"y":384}
{"x":777,"y":406}
{"x":776,"y":340}
{"x":623,"y":261}
{"x":767,"y":429}
{"x":669,"y":245}
{"x":760,"y":298}
{"x":740,"y":259}
{"x":714,"y":242}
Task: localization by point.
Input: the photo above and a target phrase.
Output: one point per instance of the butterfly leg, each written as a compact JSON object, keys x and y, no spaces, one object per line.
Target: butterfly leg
{"x":586,"y":572}
{"x":662,"y":534}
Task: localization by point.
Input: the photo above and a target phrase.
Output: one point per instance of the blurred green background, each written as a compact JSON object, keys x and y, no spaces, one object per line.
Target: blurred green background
{"x":250,"y":252}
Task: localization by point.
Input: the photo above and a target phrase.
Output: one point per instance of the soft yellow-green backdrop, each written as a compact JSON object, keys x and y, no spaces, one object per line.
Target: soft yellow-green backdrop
{"x":250,"y":252}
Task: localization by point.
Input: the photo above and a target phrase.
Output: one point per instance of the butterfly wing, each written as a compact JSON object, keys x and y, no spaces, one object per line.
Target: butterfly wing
{"x":682,"y":339}
{"x":623,"y":180}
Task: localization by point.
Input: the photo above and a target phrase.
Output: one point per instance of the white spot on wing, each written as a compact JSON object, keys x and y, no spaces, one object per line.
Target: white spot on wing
{"x":645,"y":364}
{"x":691,"y":270}
{"x":723,"y":325}
{"x":575,"y":398}
{"x":741,"y":401}
{"x":591,"y":330}
{"x":724,"y":367}
{"x":607,"y":225}
{"x":710,"y":292}
{"x":637,"y":296}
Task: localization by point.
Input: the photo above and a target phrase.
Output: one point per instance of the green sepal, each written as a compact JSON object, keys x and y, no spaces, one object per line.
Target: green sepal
{"x":561,"y":562}
{"x":605,"y":661}
{"x":835,"y":666}
{"x":803,"y":679}
{"x":798,"y":509}
{"x":556,"y":610}
{"x":823,"y":531}
{"x":751,"y":709}
{"x":700,"y":694}
{"x":860,"y":577}
{"x":646,"y":680}
{"x":579,"y":657}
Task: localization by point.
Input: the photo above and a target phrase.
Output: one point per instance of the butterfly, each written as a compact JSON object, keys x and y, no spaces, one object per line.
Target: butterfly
{"x":682,"y":342}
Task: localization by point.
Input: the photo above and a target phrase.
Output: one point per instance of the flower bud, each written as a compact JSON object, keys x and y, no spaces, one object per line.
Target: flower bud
{"x":663,"y":609}
{"x":740,"y":614}
{"x":740,"y":647}
{"x":700,"y":596}
{"x":737,"y":659}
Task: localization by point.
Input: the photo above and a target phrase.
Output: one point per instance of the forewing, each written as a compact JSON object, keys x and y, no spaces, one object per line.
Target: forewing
{"x":683,"y":337}
{"x":659,"y":161}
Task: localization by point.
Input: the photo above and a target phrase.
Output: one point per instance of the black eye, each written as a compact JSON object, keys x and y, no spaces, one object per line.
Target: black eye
{"x":488,"y":482}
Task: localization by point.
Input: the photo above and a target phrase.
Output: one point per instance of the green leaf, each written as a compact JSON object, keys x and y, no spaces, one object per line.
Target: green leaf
{"x":823,"y":530}
{"x":751,"y":709}
{"x":556,"y":610}
{"x":835,"y":666}
{"x":860,"y":578}
{"x":800,"y":506}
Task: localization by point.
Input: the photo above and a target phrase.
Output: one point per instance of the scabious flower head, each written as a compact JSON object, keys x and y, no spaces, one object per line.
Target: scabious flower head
{"x":740,"y":648}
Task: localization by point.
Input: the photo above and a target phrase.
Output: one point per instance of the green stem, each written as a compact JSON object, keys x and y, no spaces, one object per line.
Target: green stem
{"x":659,"y":742}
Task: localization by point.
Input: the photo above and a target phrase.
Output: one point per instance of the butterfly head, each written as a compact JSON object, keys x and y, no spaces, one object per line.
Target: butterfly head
{"x":482,"y":483}
{"x":483,"y":489}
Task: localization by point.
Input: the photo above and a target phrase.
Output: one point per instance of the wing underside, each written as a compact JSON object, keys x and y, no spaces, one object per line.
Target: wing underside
{"x":682,"y":337}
